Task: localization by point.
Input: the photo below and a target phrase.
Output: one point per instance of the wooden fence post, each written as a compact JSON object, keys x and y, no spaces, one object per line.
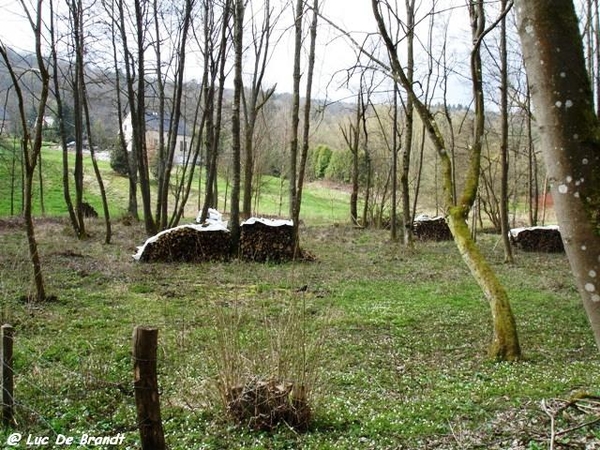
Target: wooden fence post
{"x":7,"y":333}
{"x":145,"y":343}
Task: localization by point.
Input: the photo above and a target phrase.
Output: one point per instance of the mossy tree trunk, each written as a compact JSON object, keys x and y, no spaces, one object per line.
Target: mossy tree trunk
{"x":570,"y":133}
{"x":505,"y":343}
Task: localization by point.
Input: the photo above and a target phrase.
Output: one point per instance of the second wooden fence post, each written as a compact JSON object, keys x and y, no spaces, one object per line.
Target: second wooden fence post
{"x":145,"y":344}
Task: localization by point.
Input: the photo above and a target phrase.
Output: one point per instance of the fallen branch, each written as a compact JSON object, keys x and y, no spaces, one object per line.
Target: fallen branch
{"x":583,"y":403}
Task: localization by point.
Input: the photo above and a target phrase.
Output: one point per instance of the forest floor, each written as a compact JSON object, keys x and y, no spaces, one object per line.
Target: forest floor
{"x":393,"y":341}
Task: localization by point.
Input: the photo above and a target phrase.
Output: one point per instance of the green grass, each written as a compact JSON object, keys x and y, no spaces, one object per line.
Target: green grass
{"x":402,"y":340}
{"x":320,"y":204}
{"x":52,"y":185}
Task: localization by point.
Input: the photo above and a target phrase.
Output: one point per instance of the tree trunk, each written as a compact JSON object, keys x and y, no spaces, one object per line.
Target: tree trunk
{"x":352,"y":138}
{"x":394,"y":175}
{"x":132,"y":207}
{"x":32,"y":146}
{"x":504,"y":227}
{"x":306,"y":125}
{"x":63,"y":134}
{"x":532,"y":172}
{"x":101,"y":188}
{"x":234,"y":221}
{"x":505,"y":342}
{"x":38,"y":279}
{"x":137,"y":97}
{"x":214,"y":106}
{"x":253,"y":107}
{"x":297,"y":75}
{"x":367,"y":159}
{"x":570,"y":134}
{"x":76,"y":16}
{"x":409,"y":117}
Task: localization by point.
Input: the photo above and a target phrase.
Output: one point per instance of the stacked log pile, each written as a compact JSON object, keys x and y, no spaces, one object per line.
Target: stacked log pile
{"x":427,"y":228}
{"x":537,"y":239}
{"x":267,"y":240}
{"x":264,"y":404}
{"x":187,"y":243}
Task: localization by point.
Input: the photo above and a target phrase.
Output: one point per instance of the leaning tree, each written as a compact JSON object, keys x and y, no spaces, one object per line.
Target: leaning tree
{"x":505,"y":342}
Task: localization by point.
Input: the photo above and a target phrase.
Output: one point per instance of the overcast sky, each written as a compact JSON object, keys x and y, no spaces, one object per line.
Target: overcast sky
{"x":334,"y":53}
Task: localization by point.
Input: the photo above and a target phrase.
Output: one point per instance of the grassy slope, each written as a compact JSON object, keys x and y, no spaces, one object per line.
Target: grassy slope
{"x":402,"y":341}
{"x":320,"y":205}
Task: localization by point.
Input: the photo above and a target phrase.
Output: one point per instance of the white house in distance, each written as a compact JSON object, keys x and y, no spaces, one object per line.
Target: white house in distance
{"x":152,"y":135}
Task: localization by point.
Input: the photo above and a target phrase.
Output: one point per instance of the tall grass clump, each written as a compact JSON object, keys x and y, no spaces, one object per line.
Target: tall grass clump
{"x":266,"y":357}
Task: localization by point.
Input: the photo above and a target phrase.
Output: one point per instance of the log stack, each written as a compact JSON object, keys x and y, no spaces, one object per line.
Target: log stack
{"x":427,"y":228}
{"x":262,"y":405}
{"x":264,"y":240}
{"x":187,"y":243}
{"x":537,"y":239}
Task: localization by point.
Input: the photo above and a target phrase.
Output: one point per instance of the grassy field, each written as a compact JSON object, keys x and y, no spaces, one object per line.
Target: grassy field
{"x":398,"y":340}
{"x":320,"y":204}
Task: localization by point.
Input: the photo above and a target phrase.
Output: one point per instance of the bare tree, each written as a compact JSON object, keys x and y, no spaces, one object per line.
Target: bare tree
{"x":532,"y":166}
{"x":171,"y":112}
{"x":395,"y":139}
{"x":31,"y":140}
{"x":569,"y":128}
{"x":298,"y":180}
{"x":236,"y":122}
{"x":295,"y":119}
{"x":256,"y":97}
{"x":504,"y":113}
{"x":114,"y":10}
{"x":78,"y":226}
{"x":409,"y":124}
{"x":216,"y":38}
{"x":134,"y":39}
{"x":77,"y":80}
{"x":352,"y":135}
{"x":136,"y":90}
